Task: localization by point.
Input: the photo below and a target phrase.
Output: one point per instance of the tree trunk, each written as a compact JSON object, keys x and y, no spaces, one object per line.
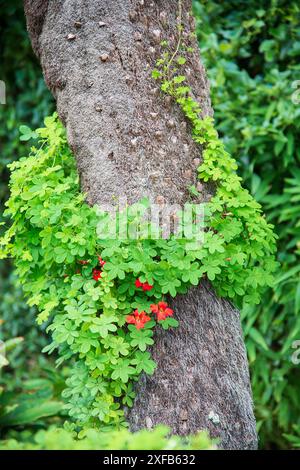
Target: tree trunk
{"x":130,"y":141}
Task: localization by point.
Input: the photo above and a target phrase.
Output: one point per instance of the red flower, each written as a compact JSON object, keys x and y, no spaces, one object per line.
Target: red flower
{"x":144,"y":285}
{"x":138,"y":283}
{"x":97,"y":274}
{"x":101,"y":261}
{"x":138,"y":319}
{"x":161,"y":310}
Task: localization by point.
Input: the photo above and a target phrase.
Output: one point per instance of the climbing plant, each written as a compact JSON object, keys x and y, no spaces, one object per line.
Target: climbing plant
{"x":103,"y":297}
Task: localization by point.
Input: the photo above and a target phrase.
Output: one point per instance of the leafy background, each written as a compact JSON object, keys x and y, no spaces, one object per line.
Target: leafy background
{"x":251,"y":51}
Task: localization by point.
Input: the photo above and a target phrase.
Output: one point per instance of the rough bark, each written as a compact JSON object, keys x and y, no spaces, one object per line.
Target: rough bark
{"x":129,"y":140}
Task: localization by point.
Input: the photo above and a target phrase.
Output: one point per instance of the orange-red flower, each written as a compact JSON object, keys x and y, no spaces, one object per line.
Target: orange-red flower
{"x":138,"y":319}
{"x":161,"y":310}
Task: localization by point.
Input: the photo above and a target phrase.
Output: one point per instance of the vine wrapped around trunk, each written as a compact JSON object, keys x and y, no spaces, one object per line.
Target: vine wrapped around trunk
{"x":131,"y":141}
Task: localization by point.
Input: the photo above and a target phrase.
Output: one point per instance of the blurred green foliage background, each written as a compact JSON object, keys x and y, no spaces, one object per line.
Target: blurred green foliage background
{"x":27,"y":101}
{"x":251,"y":51}
{"x":30,"y":387}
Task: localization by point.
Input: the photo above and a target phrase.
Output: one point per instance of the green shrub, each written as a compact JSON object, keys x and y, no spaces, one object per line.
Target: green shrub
{"x":90,"y":439}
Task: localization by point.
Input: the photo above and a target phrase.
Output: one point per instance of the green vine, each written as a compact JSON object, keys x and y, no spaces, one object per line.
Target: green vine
{"x":103,"y":298}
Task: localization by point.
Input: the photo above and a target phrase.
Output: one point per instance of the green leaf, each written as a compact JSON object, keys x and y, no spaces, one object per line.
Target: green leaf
{"x":140,"y":338}
{"x":181,"y":60}
{"x":143,"y":362}
{"x":122,"y":371}
{"x":103,"y":325}
{"x":27,"y":133}
{"x":258,"y":338}
{"x":30,"y":411}
{"x":168,"y":323}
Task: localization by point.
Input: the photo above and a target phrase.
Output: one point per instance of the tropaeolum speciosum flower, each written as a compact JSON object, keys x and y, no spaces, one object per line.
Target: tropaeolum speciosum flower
{"x":144,"y":285}
{"x":97,"y":274}
{"x":138,"y":319}
{"x":161,"y":310}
